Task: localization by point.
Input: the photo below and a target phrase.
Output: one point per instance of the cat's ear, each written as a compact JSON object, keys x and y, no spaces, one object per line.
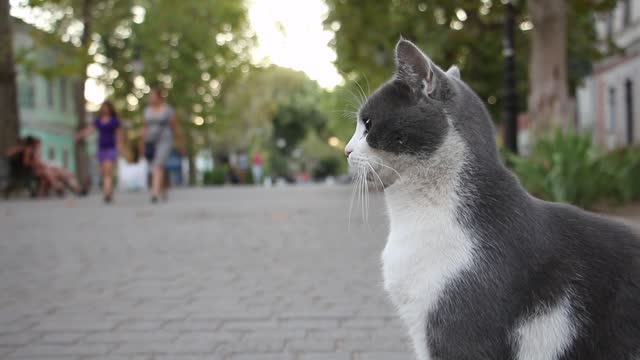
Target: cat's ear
{"x":454,"y":71}
{"x":414,"y":67}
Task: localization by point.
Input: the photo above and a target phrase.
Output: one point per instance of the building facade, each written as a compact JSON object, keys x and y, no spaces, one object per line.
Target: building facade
{"x":46,"y":104}
{"x":608,"y":103}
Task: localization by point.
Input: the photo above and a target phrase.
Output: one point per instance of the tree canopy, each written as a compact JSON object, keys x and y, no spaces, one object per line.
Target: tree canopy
{"x":466,"y":33}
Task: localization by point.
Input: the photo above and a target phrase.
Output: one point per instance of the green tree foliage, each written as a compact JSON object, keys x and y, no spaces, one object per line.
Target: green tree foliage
{"x":466,"y":33}
{"x":77,"y":22}
{"x":251,"y":103}
{"x":274,"y":110}
{"x":297,"y":116}
{"x":191,"y":48}
{"x":341,"y":105}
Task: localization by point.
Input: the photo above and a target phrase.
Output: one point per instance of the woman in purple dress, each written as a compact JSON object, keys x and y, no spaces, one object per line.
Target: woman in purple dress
{"x":108,"y":126}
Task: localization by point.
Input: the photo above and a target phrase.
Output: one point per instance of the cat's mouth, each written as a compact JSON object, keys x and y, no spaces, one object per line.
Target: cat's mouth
{"x":365,"y":168}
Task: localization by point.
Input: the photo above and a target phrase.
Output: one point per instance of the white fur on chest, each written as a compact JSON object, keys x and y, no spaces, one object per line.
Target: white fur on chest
{"x":425,"y":250}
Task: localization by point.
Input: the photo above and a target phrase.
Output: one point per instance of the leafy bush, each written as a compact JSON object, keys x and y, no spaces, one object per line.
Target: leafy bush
{"x":215,"y":177}
{"x":622,"y":169}
{"x":570,"y":168}
{"x":328,"y":166}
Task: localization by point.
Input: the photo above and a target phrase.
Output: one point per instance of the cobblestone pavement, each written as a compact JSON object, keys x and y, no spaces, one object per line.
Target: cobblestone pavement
{"x":242,"y":273}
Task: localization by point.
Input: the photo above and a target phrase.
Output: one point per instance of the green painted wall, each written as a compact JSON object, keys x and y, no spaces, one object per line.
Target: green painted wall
{"x":46,"y":105}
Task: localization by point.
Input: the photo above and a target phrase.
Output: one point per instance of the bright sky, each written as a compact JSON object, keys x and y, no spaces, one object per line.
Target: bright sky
{"x":290,"y":34}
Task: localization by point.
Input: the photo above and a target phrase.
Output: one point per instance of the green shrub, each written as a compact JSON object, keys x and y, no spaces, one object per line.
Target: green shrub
{"x":328,"y":166}
{"x":622,"y":171}
{"x":570,"y":168}
{"x":216,"y":176}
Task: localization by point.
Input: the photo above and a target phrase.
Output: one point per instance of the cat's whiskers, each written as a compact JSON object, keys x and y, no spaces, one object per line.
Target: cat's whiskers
{"x":353,"y":195}
{"x":362,"y":167}
{"x":376,"y":174}
{"x":363,"y":95}
{"x":379,"y":163}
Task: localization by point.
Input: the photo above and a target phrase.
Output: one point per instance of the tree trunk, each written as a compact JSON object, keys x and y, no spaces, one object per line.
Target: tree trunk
{"x":9,"y":119}
{"x":82,"y":158}
{"x":510,"y":94}
{"x":549,"y":103}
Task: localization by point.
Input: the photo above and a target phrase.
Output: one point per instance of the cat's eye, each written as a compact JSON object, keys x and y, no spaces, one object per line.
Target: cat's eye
{"x":367,"y":123}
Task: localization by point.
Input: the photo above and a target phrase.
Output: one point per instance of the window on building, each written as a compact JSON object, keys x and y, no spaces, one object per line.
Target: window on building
{"x":65,"y":158}
{"x":51,"y":153}
{"x":63,"y":94}
{"x":27,"y":92}
{"x":611,"y":126}
{"x":626,"y":8}
{"x":50,"y":90}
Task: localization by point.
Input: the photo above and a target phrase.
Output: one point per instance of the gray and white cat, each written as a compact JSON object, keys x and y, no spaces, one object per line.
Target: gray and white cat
{"x":478,"y":268}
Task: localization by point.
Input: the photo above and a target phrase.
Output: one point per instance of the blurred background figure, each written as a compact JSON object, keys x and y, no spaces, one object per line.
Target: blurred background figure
{"x":160,"y":130}
{"x":50,"y":177}
{"x":20,"y":175}
{"x":256,"y":168}
{"x":107,"y":124}
{"x":243,"y":167}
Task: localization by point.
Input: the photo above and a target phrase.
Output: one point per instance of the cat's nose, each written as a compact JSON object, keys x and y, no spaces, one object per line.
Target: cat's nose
{"x":347,"y":151}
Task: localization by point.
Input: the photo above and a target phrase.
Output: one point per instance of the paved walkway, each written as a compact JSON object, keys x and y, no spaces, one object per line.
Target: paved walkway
{"x":215,"y":274}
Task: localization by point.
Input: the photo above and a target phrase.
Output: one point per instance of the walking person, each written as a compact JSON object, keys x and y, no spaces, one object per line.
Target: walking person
{"x":107,"y":124}
{"x":257,"y":168}
{"x":160,"y":129}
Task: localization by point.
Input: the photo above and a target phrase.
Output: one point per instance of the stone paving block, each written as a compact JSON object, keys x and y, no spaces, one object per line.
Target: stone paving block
{"x":254,"y":346}
{"x":326,"y":356}
{"x":60,"y":323}
{"x":249,"y":325}
{"x":340,"y":333}
{"x":310,"y":324}
{"x":187,"y":357}
{"x":61,"y":338}
{"x":21,"y":324}
{"x":261,"y":356}
{"x":209,"y":337}
{"x":363,"y":323}
{"x":47,"y":357}
{"x":142,"y":325}
{"x":383,"y":356}
{"x":119,"y":357}
{"x":130,"y":336}
{"x":319,"y":345}
{"x":163,"y":348}
{"x":275,"y":334}
{"x":192,"y":325}
{"x":35,"y":351}
{"x":393,"y":344}
{"x":5,"y":351}
{"x":17,"y":339}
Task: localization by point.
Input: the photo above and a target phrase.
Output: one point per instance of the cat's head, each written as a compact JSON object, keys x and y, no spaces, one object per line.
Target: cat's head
{"x":421,"y":113}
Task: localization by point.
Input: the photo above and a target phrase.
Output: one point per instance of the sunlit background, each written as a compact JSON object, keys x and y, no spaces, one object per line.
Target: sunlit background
{"x":290,"y":34}
{"x":284,"y":79}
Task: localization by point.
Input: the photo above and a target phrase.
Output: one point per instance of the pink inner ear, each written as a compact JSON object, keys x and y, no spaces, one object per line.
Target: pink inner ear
{"x":429,"y":84}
